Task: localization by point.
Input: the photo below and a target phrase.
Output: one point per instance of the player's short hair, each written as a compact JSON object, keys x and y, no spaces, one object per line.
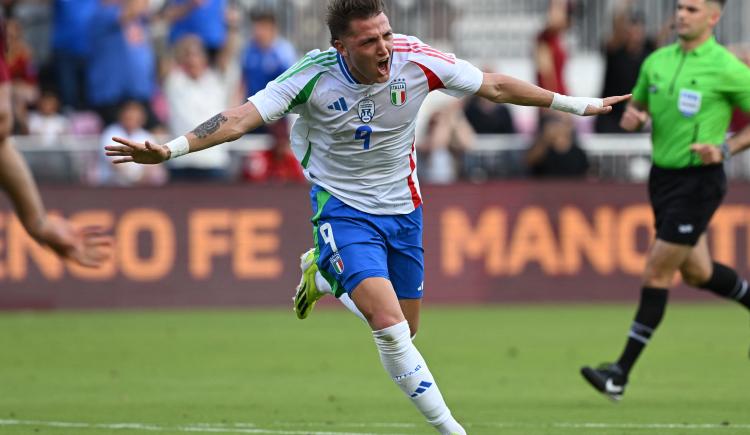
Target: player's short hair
{"x":342,"y":12}
{"x":720,"y":2}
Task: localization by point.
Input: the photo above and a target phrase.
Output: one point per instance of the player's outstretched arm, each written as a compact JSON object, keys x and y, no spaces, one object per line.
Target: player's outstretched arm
{"x":501,"y":88}
{"x":16,"y":180}
{"x":226,"y":126}
{"x":88,"y":247}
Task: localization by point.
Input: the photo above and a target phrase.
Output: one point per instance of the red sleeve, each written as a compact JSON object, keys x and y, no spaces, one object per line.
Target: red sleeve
{"x":4,"y":72}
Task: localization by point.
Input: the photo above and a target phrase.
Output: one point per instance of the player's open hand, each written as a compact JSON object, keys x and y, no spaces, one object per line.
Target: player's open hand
{"x":146,"y":153}
{"x":606,"y":106}
{"x":709,"y":154}
{"x":88,"y":246}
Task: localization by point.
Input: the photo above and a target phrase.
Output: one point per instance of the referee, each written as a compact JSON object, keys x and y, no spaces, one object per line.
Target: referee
{"x":688,"y":90}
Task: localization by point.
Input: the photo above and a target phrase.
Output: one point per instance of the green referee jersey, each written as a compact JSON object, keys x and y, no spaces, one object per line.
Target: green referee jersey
{"x":690,"y":97}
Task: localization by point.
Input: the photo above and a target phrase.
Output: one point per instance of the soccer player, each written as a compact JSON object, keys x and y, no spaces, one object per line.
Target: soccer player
{"x":88,"y":247}
{"x":357,"y":103}
{"x":688,"y":90}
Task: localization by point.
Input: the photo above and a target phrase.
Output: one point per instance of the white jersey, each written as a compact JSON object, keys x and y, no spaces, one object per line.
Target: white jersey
{"x":357,"y":141}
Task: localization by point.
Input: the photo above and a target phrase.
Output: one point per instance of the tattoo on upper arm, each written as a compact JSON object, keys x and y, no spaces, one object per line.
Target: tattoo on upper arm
{"x":210,"y":126}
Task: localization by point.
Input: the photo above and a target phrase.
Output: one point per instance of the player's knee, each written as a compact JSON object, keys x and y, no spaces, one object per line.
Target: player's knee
{"x":657,"y":279}
{"x":695,"y":278}
{"x":658,"y":275}
{"x":696,"y":274}
{"x":382,"y":319}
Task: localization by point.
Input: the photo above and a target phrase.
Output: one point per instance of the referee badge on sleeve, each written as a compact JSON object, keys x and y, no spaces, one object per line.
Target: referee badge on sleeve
{"x":689,"y":103}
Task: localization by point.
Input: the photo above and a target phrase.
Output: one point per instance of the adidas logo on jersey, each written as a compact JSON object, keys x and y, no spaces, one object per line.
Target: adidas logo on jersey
{"x":339,"y":105}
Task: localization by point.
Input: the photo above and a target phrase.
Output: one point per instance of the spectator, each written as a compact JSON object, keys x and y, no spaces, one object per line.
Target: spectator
{"x":195,"y":92}
{"x":448,"y":136}
{"x":624,"y":52}
{"x":549,"y":54}
{"x":488,"y":118}
{"x":267,"y":54}
{"x":276,"y":164}
{"x":555,"y":152}
{"x":122,"y":64}
{"x":130,"y":125}
{"x":204,"y":18}
{"x":71,"y":49}
{"x":47,"y":122}
{"x":23,"y":75}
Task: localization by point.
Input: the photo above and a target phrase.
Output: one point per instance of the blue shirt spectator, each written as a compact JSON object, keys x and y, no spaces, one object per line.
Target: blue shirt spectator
{"x":267,"y":55}
{"x":122,"y":64}
{"x":71,"y":48}
{"x":204,"y":18}
{"x":71,"y":21}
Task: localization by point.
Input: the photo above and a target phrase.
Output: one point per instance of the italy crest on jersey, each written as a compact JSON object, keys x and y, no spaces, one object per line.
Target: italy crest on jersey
{"x":337,"y":263}
{"x":398,"y":92}
{"x":366,"y":110}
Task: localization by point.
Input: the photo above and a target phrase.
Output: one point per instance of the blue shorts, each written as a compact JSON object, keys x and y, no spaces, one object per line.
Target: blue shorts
{"x":351,"y":246}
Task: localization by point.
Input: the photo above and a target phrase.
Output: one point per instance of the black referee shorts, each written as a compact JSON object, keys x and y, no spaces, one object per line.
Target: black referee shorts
{"x":684,"y":200}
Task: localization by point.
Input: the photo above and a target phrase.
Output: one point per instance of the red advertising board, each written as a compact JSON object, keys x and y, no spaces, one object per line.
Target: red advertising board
{"x":238,"y":245}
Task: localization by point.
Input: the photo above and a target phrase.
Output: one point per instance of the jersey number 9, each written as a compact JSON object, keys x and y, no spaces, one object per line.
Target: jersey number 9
{"x":363,"y":133}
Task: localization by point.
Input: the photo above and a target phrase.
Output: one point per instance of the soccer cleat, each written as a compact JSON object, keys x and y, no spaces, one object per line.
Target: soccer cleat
{"x":307,"y":293}
{"x":608,"y":379}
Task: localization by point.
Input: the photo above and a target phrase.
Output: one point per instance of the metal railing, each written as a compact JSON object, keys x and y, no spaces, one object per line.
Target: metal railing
{"x":612,"y":157}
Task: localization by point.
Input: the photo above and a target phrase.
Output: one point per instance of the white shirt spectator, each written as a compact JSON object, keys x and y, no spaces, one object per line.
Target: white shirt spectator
{"x":194,"y":100}
{"x":48,"y":127}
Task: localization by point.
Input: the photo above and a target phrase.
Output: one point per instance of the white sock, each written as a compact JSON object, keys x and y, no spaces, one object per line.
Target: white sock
{"x":325,"y":287}
{"x":349,"y":304}
{"x":322,"y":284}
{"x":408,"y":369}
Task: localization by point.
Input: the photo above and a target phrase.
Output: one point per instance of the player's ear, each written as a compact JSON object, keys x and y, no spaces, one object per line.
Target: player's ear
{"x":339,"y":46}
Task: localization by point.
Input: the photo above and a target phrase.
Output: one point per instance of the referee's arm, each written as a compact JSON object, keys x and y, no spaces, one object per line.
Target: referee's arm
{"x":634,"y":117}
{"x":712,"y":154}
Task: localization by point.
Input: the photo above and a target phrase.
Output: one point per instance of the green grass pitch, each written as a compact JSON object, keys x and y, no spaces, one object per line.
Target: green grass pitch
{"x":503,"y":370}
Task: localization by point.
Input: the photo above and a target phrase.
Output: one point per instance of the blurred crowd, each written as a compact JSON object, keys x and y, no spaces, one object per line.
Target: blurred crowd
{"x":153,"y":69}
{"x":145,"y":69}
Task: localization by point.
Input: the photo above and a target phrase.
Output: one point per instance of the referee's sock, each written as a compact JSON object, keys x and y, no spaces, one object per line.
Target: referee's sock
{"x":647,"y":318}
{"x":726,"y":283}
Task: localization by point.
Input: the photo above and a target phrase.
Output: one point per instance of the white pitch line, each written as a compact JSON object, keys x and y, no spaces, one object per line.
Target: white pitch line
{"x":203,"y":427}
{"x":689,"y":426}
{"x":591,"y":425}
{"x":252,"y":428}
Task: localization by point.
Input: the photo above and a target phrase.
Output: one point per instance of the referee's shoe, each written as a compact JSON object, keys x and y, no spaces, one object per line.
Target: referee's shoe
{"x":608,"y":379}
